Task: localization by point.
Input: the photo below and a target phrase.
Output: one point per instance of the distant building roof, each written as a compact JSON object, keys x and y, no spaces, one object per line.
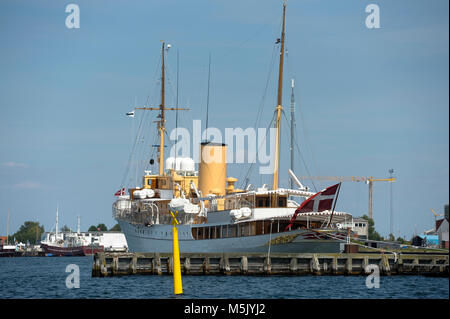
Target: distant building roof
{"x":438,"y":223}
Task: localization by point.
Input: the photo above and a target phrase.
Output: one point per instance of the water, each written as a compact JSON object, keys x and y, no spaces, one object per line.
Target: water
{"x":45,"y":277}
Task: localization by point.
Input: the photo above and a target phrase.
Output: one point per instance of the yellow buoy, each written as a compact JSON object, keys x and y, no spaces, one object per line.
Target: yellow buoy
{"x":177,"y":284}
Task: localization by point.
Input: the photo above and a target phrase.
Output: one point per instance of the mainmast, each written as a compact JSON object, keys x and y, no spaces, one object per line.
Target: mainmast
{"x":279,"y":107}
{"x":162,"y":118}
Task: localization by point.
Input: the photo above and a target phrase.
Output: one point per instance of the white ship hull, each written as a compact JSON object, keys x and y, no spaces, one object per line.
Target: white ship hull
{"x":158,"y":238}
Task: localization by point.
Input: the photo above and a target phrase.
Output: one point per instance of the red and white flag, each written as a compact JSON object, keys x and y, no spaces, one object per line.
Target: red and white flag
{"x":120,"y":192}
{"x":319,"y":202}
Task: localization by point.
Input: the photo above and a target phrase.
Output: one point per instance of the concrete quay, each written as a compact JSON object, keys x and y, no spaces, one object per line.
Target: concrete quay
{"x":119,"y":264}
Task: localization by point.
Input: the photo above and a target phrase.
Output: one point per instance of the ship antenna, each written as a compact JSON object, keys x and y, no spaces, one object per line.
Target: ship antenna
{"x":207,"y":98}
{"x":279,"y":107}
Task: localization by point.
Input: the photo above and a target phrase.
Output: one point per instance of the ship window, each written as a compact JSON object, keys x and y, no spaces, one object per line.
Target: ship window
{"x":232,"y":231}
{"x":224,"y":231}
{"x":242,"y":230}
{"x":263,"y":201}
{"x":282,"y":202}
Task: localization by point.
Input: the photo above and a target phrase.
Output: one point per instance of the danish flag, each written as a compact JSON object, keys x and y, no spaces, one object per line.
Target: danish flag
{"x":120,"y":192}
{"x":319,"y":202}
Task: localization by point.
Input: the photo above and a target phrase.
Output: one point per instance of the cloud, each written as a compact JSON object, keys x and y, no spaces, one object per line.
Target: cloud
{"x":28,"y":185}
{"x":14,"y":164}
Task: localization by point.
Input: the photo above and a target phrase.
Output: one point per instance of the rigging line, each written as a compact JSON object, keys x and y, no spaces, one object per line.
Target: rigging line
{"x":176,"y":104}
{"x":153,"y":150}
{"x":142,"y":136}
{"x":234,"y":47}
{"x":290,"y":66}
{"x":259,"y":114}
{"x":155,"y":87}
{"x":130,"y":158}
{"x":300,"y":154}
{"x":170,"y":86}
{"x":207,"y":98}
{"x":269,"y":76}
{"x":306,"y":136}
{"x":263,"y":99}
{"x":249,"y":171}
{"x":132,"y":152}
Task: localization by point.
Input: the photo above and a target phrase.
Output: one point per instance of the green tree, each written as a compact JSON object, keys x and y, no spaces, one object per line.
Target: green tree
{"x":116,"y":227}
{"x":373,"y":234}
{"x":29,"y":231}
{"x":102,"y":227}
{"x":65,"y":228}
{"x":99,"y":227}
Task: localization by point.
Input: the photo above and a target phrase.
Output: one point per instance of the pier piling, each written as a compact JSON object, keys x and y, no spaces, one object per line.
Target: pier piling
{"x":116,"y":264}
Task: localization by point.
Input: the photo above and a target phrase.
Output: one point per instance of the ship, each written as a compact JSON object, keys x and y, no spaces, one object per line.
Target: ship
{"x":215,"y":216}
{"x":81,"y":243}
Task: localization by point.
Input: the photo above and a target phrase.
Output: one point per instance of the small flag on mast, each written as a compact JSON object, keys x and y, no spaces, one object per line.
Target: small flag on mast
{"x":130,"y":114}
{"x":120,"y":192}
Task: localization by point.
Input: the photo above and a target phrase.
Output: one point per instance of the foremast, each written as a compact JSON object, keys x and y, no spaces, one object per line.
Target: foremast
{"x":162,"y":109}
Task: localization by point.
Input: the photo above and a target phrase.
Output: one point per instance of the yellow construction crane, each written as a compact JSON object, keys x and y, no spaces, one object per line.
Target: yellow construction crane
{"x":435,"y":215}
{"x":367,"y":180}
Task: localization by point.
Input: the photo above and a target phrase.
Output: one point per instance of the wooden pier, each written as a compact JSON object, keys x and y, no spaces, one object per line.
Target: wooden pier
{"x":118,"y":264}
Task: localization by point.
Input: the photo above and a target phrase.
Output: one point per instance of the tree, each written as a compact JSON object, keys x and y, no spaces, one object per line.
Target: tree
{"x":65,"y":228}
{"x":116,"y":227}
{"x":29,"y":231}
{"x":102,"y":227}
{"x":373,"y":234}
{"x":99,"y":227}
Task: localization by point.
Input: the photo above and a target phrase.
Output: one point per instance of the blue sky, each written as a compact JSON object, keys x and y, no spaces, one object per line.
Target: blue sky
{"x":367,"y":99}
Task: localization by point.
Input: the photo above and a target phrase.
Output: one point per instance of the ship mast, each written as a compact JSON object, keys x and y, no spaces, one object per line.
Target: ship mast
{"x":279,"y":107}
{"x":292,"y":129}
{"x":57,"y":223}
{"x":162,"y":118}
{"x":162,"y":109}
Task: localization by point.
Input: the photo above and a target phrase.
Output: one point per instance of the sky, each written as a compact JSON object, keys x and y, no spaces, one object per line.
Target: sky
{"x":367,"y":100}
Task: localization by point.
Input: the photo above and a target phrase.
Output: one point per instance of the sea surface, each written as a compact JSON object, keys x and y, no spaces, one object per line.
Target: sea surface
{"x":45,"y":277}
